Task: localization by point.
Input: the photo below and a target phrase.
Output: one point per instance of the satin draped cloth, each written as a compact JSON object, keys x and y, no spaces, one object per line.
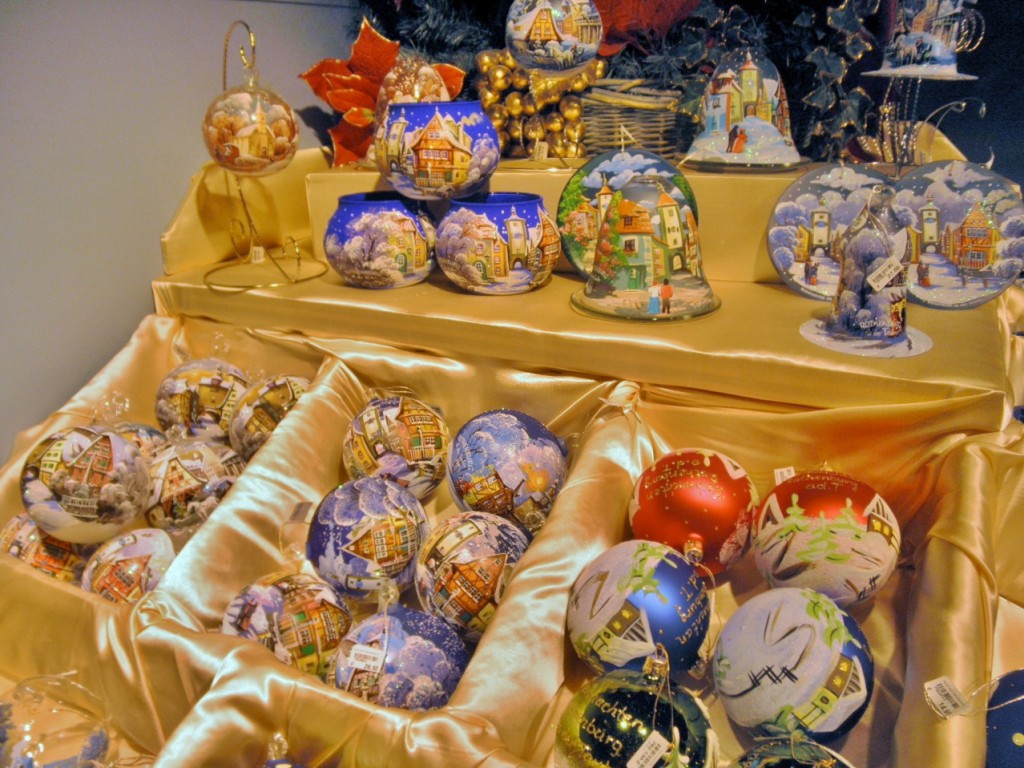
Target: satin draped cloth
{"x":937,"y":442}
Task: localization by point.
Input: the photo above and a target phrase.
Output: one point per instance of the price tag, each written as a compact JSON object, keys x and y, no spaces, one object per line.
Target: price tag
{"x":782,"y":474}
{"x":540,"y":151}
{"x":258,"y":254}
{"x":944,"y":697}
{"x":881,"y":276}
{"x":366,"y":658}
{"x":650,"y":752}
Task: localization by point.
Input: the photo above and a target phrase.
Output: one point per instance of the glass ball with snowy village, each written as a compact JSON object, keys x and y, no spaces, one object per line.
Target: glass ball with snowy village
{"x":436,"y":150}
{"x":127,"y":567}
{"x":507,"y":463}
{"x":745,"y":117}
{"x":85,"y":484}
{"x":260,"y":409}
{"x":553,"y":35}
{"x":199,"y":396}
{"x":629,"y":218}
{"x":498,"y":243}
{"x":926,"y":36}
{"x":22,"y":538}
{"x":380,"y":240}
{"x":188,"y":479}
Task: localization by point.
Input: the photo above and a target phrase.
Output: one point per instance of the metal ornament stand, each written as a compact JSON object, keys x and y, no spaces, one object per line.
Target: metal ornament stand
{"x":257,"y":265}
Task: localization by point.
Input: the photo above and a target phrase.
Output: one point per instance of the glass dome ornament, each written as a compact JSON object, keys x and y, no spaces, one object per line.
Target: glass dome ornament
{"x":647,"y":262}
{"x":250,"y":131}
{"x":553,"y":35}
{"x":52,"y":720}
{"x":745,"y":120}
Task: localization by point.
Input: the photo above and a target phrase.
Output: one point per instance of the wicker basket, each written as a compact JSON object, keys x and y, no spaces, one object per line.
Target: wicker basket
{"x":615,"y":110}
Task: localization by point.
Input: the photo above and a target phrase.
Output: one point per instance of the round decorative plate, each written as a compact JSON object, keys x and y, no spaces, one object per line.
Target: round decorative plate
{"x":966,"y":233}
{"x":586,"y":196}
{"x":808,"y":219}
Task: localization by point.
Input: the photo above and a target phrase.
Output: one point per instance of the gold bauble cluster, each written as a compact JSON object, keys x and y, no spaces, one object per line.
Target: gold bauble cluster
{"x":530,"y":106}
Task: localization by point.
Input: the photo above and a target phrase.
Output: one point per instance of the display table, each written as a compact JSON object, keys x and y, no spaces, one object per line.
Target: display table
{"x":933,"y":433}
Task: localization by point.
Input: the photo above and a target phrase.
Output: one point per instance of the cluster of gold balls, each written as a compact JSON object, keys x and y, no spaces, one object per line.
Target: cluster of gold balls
{"x":527,"y":107}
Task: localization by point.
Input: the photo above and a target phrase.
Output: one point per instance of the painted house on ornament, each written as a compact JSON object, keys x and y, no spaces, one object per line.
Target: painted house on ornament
{"x":390,"y":542}
{"x":733,"y":96}
{"x":410,"y":248}
{"x":464,"y":591}
{"x":582,"y":23}
{"x":972,"y":244}
{"x":494,"y":257}
{"x":256,"y":139}
{"x":440,"y":153}
{"x":118,"y":580}
{"x":815,"y":240}
{"x":487,"y":492}
{"x":93,"y":466}
{"x":309,"y":624}
{"x":414,"y":432}
{"x":216,"y":395}
{"x":543,"y":29}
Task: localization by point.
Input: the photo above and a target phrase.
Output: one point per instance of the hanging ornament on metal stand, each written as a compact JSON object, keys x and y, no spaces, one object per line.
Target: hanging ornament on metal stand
{"x":251,"y":131}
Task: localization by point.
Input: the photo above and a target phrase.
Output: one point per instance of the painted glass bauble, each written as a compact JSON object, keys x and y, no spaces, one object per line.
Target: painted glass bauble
{"x":85,"y":484}
{"x":498,"y":243}
{"x":626,"y":718}
{"x":745,"y":118}
{"x":507,"y":463}
{"x":53,"y":722}
{"x":698,"y":501}
{"x":380,"y":240}
{"x":793,"y":751}
{"x":297,"y":616}
{"x":925,"y":38}
{"x":200,"y":396}
{"x":464,"y":567}
{"x":553,"y":35}
{"x":250,"y":130}
{"x":630,"y":599}
{"x":436,"y":150}
{"x":401,"y":438}
{"x":188,"y":480}
{"x":21,"y":537}
{"x":826,"y":531}
{"x":128,"y":566}
{"x":401,"y":658}
{"x":260,"y":409}
{"x":791,"y":659}
{"x":366,"y":534}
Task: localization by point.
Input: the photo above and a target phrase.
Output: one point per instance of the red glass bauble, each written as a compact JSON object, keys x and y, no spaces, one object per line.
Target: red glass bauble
{"x":697,"y":501}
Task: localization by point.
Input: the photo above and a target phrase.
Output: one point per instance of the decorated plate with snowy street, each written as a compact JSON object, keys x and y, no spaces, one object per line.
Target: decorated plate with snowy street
{"x":809,"y":218}
{"x":966,"y":233}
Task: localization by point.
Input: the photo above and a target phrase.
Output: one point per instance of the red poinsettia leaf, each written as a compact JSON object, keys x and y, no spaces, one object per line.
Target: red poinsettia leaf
{"x":344,"y":100}
{"x":317,"y":75}
{"x":453,"y":78}
{"x":626,"y":20}
{"x":350,"y":142}
{"x":352,"y":82}
{"x":372,"y":54}
{"x":359,"y":116}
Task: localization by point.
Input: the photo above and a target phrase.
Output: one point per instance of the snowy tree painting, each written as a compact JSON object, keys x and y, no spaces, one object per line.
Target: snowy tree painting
{"x":378,"y":250}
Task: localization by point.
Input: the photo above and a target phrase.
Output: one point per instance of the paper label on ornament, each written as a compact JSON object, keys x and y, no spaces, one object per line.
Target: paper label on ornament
{"x":782,"y":474}
{"x":650,"y":752}
{"x":366,"y":658}
{"x":881,"y":276}
{"x":540,"y":151}
{"x":258,"y":254}
{"x":945,"y":697}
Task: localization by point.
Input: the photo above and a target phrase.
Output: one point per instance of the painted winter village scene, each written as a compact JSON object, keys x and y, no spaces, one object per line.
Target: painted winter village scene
{"x":630,"y":226}
{"x":498,"y":247}
{"x":745,"y":116}
{"x":964,"y":231}
{"x":926,"y":36}
{"x":553,"y":34}
{"x":250,"y":132}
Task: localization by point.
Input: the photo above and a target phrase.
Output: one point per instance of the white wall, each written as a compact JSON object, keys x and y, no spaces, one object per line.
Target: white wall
{"x":101,"y":103}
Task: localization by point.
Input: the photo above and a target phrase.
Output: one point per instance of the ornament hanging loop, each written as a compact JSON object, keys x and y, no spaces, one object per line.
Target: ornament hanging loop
{"x":249,"y":62}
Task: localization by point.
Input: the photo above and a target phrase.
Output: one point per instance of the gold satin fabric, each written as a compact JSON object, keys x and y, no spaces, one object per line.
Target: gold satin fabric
{"x":932,"y":434}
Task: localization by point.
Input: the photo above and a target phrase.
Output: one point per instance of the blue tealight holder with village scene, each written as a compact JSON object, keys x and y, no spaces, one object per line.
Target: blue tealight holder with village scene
{"x":436,"y":150}
{"x":498,"y":243}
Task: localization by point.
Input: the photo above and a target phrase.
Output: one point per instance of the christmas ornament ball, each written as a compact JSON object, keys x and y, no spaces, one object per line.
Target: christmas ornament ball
{"x":793,"y":751}
{"x":85,"y":484}
{"x":188,"y":480}
{"x":697,"y":501}
{"x":508,"y":463}
{"x":20,"y":537}
{"x":622,"y":717}
{"x":792,"y":659}
{"x":365,"y":534}
{"x":401,"y":658}
{"x":250,"y":130}
{"x":633,"y":597}
{"x":260,"y":409}
{"x":401,"y":438}
{"x":826,"y":531}
{"x":200,"y":396}
{"x":464,"y":567}
{"x":553,"y":36}
{"x":296,"y":615}
{"x":128,"y":566}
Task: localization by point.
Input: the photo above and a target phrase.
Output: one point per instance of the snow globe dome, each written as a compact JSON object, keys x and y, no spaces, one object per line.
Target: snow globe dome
{"x":745,"y":117}
{"x":647,"y":261}
{"x":926,"y":37}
